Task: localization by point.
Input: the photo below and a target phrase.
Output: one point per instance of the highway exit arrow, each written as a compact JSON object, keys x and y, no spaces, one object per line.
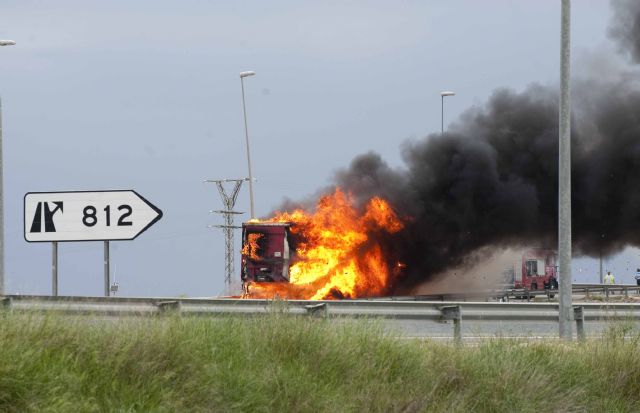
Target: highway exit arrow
{"x":87,"y":216}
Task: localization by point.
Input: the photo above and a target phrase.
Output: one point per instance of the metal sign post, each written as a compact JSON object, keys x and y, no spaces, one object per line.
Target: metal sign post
{"x":106,"y":269}
{"x":54,"y":269}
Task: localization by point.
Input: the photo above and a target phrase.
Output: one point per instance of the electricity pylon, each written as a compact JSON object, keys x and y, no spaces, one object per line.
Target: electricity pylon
{"x":229,"y":200}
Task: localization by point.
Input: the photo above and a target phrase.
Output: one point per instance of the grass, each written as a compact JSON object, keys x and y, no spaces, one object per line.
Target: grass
{"x":278,"y":363}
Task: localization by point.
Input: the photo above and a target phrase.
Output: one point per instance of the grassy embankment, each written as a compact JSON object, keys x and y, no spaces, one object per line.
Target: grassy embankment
{"x":276,"y":363}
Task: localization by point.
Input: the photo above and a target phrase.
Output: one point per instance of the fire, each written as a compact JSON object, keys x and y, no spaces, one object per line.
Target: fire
{"x":251,"y":247}
{"x":336,"y":256}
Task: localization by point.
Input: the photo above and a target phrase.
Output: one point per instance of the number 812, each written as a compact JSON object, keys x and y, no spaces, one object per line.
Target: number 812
{"x":90,"y":215}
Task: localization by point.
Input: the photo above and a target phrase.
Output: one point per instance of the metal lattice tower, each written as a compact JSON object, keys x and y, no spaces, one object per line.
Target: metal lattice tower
{"x":229,"y":200}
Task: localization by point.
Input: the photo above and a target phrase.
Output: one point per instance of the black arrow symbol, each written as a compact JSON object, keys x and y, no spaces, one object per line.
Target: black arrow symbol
{"x":48,"y":216}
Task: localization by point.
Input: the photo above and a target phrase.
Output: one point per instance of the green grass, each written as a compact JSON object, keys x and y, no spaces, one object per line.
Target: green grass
{"x":277,"y":363}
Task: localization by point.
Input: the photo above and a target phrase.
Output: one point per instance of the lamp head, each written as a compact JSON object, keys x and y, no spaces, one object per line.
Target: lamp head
{"x":447,"y":93}
{"x":7,"y":42}
{"x":247,"y":73}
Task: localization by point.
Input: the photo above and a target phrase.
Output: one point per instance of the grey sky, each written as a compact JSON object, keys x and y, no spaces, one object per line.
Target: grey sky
{"x":145,"y":95}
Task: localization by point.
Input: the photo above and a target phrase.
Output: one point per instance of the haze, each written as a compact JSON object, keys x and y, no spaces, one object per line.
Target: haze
{"x":146,"y":96}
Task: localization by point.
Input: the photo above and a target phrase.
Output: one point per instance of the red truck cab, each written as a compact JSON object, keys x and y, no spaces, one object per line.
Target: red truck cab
{"x":266,"y":251}
{"x":537,"y":270}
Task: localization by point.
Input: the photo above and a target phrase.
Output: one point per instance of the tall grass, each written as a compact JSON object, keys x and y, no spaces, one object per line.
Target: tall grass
{"x":278,"y":363}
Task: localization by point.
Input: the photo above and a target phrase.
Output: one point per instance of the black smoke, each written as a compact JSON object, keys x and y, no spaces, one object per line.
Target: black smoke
{"x":492,"y":179}
{"x":625,"y":27}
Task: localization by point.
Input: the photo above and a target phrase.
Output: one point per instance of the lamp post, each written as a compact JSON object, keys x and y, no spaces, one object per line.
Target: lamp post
{"x":564,"y":178}
{"x":442,"y":96}
{"x":2,"y":43}
{"x":246,"y":134}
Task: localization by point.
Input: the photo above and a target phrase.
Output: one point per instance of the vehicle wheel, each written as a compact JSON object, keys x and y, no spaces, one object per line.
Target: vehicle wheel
{"x":534,"y":286}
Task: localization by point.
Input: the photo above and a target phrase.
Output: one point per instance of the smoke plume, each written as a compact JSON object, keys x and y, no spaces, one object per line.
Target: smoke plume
{"x":491,"y":180}
{"x":626,"y":26}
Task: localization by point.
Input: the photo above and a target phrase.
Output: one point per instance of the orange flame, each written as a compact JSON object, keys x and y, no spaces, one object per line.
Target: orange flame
{"x":335,"y":256}
{"x":251,"y":247}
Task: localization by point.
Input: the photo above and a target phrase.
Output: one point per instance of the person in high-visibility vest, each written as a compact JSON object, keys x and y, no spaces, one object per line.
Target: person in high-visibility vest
{"x":609,"y":278}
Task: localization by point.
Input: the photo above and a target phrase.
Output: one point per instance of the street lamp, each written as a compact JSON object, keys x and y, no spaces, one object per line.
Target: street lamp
{"x":442,"y":96}
{"x":2,"y":43}
{"x":565,"y":304}
{"x":246,"y":134}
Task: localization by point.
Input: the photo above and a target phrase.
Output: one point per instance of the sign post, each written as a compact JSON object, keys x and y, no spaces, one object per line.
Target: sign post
{"x":106,"y":269}
{"x":54,"y":269}
{"x":116,"y":215}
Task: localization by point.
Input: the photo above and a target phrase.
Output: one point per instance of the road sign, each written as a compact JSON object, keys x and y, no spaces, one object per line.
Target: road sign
{"x":87,"y":216}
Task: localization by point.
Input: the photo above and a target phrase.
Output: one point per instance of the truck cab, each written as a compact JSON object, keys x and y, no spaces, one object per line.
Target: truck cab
{"x":537,"y":270}
{"x":266,"y":251}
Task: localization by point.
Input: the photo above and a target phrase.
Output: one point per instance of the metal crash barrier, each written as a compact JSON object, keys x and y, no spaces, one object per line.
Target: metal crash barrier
{"x":413,"y":318}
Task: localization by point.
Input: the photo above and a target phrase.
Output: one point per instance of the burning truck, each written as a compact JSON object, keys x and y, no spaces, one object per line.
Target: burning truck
{"x":331,"y":252}
{"x":266,"y":251}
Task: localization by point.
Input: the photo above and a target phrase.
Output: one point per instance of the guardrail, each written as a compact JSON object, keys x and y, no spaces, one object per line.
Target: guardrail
{"x":469,"y":315}
{"x":508,"y":294}
{"x":607,"y":290}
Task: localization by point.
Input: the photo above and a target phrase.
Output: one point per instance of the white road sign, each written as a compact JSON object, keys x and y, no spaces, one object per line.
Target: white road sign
{"x":87,"y":216}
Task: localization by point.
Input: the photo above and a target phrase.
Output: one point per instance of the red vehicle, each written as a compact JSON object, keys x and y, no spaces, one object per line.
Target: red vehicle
{"x":266,"y":251}
{"x":536,"y":270}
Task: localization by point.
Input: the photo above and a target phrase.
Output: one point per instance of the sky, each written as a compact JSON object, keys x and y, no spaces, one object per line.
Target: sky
{"x":146,"y":95}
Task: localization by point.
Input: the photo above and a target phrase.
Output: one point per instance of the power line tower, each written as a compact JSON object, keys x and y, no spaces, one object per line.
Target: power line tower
{"x":229,"y":200}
